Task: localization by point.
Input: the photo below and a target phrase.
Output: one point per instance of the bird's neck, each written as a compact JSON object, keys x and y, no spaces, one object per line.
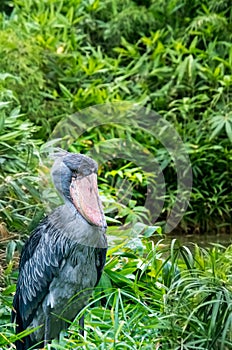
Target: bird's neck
{"x":73,"y":226}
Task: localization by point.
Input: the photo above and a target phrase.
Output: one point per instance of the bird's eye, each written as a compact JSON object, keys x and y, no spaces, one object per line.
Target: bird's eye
{"x":74,"y":174}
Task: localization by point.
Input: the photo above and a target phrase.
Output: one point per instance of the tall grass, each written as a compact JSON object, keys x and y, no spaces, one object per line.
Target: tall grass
{"x":151,"y":295}
{"x":154,"y":296}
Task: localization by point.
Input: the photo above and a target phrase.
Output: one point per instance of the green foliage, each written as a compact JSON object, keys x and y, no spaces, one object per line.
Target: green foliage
{"x":153,"y":294}
{"x":18,"y":160}
{"x":163,"y":296}
{"x":201,"y":303}
{"x":174,"y":57}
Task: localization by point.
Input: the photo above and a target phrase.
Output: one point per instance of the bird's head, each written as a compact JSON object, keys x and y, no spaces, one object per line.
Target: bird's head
{"x":75,"y":177}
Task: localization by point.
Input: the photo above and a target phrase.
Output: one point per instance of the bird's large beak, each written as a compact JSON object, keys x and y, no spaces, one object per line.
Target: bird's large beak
{"x":85,"y":197}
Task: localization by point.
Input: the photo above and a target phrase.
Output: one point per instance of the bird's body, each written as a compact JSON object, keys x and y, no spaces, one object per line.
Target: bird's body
{"x":61,"y":263}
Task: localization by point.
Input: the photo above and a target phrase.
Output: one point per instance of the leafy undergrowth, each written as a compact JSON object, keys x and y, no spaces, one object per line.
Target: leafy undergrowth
{"x":152,"y":296}
{"x":173,"y":57}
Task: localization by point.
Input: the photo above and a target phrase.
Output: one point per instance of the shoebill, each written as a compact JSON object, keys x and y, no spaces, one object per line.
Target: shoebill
{"x":63,"y":259}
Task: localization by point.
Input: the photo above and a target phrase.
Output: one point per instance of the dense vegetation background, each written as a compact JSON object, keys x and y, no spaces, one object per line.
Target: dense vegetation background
{"x":174,"y":57}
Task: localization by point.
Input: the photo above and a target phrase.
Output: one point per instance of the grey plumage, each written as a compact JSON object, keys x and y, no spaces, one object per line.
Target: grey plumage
{"x":63,"y":259}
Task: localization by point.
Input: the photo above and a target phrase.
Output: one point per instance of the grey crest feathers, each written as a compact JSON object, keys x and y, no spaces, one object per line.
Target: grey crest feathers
{"x":67,"y":165}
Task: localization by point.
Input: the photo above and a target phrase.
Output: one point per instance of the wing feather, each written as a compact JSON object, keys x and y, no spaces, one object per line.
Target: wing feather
{"x":43,"y":255}
{"x":40,"y":261}
{"x":100,"y":254}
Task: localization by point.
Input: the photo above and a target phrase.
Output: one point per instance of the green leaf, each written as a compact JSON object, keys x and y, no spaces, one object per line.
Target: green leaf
{"x":228,"y":129}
